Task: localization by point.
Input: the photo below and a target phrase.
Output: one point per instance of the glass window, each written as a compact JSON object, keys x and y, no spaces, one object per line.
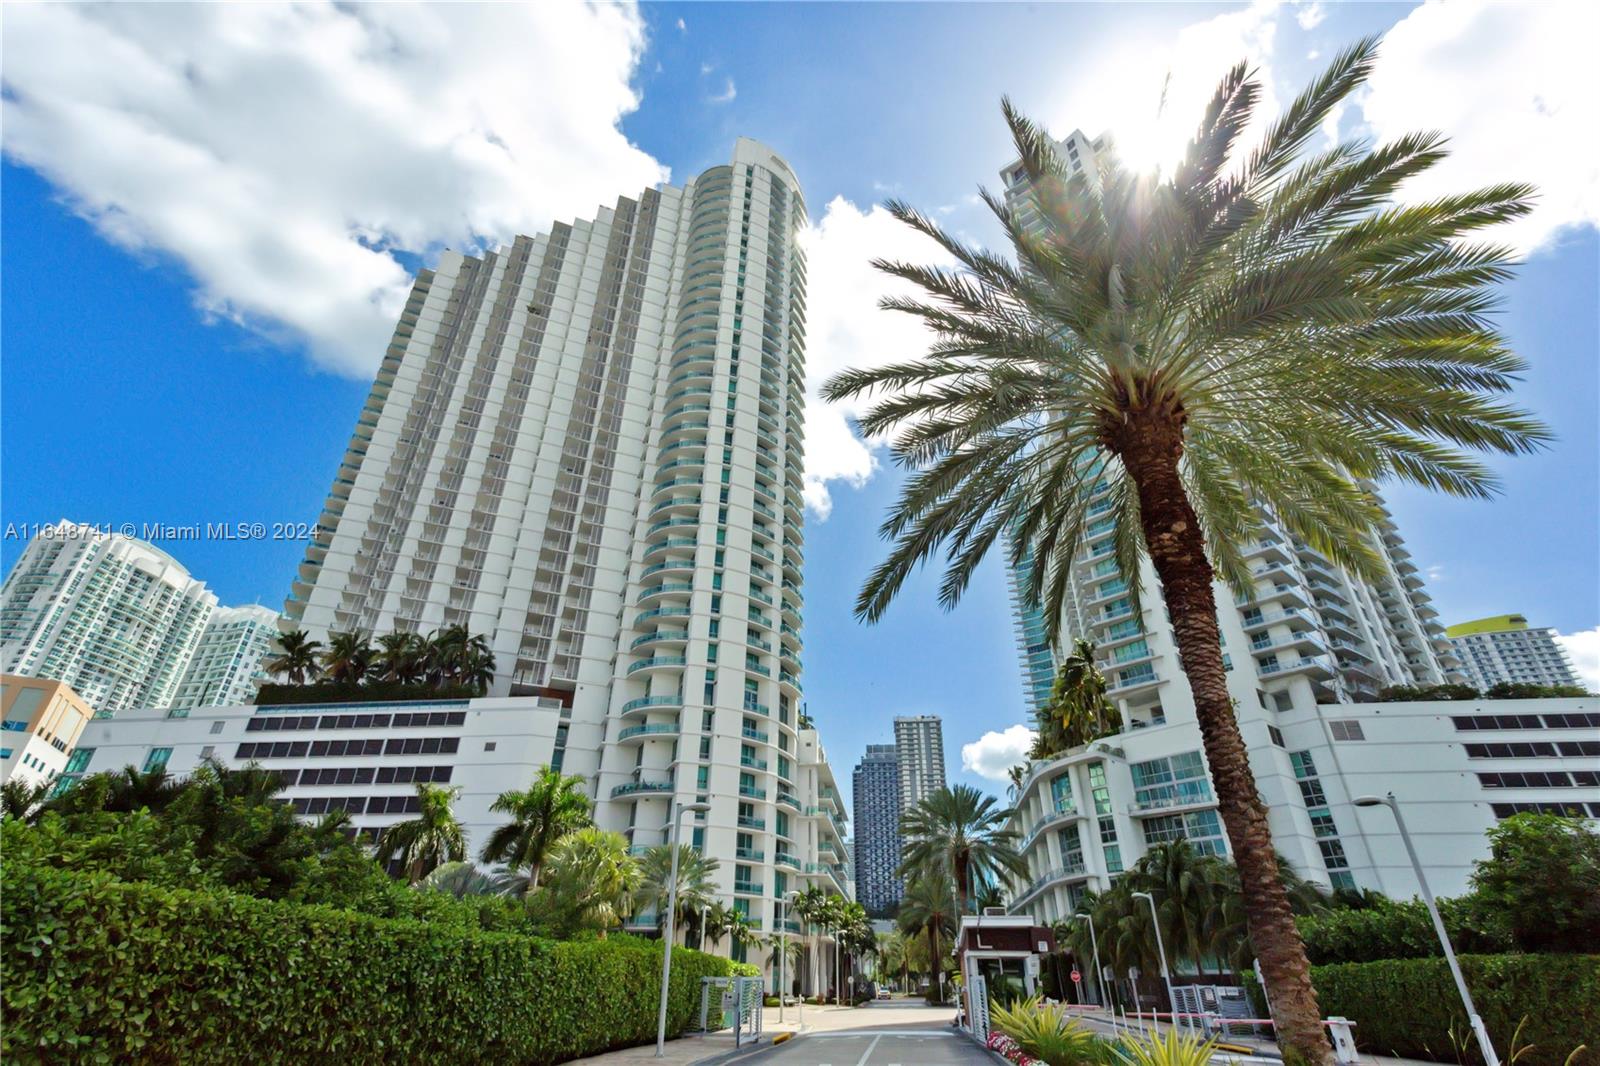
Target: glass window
{"x":157,"y":759}
{"x":1171,"y":782}
{"x":1201,"y":829}
{"x":1061,"y":794}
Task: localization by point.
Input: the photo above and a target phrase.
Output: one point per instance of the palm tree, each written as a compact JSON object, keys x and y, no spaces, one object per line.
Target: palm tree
{"x":962,"y":832}
{"x":1184,"y":884}
{"x":477,"y":669}
{"x":551,"y":807}
{"x":401,"y":657}
{"x":1078,"y":705}
{"x":348,"y":656}
{"x":810,"y":906}
{"x":740,"y":930}
{"x":792,"y":949}
{"x":21,"y":798}
{"x":430,"y":839}
{"x":893,"y":956}
{"x":461,"y":879}
{"x":595,"y":877}
{"x":296,"y":660}
{"x":1257,"y":329}
{"x":929,"y":908}
{"x":696,"y":883}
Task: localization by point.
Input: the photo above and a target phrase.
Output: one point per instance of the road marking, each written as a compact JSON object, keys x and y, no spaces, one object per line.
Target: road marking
{"x":849,"y":1034}
{"x":867,"y":1054}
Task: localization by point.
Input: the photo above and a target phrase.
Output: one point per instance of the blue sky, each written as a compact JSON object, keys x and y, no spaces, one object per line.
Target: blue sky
{"x":204,"y":244}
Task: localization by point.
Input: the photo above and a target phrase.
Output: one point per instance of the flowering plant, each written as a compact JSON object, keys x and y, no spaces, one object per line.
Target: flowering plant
{"x":1010,"y":1050}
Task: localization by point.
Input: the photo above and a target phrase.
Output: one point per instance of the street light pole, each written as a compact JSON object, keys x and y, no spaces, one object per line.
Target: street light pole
{"x":672,"y":907}
{"x":1099,"y":974}
{"x":1484,"y":1044}
{"x":1161,"y":951}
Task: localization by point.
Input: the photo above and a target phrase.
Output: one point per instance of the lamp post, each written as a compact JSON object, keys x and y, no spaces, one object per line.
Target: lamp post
{"x":786,"y":902}
{"x":672,"y":907}
{"x":1099,"y":974}
{"x":1161,"y":952}
{"x":1484,"y":1044}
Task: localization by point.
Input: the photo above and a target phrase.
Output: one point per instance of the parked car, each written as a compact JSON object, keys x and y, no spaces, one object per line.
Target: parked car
{"x":883,"y":992}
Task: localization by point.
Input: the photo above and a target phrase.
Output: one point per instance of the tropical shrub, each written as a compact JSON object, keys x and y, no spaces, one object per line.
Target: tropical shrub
{"x":1172,"y":1048}
{"x":1396,"y":930}
{"x":97,"y":970}
{"x":1409,"y":1007}
{"x":1542,"y":877}
{"x":1045,"y":1032}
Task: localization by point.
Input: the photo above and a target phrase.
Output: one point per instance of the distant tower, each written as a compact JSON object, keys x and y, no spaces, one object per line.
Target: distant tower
{"x":230,"y":660}
{"x":1504,"y":648}
{"x":919,"y":745}
{"x":876,"y":787}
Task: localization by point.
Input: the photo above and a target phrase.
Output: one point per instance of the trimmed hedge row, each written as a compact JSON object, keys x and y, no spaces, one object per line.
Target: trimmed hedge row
{"x":1400,"y":931}
{"x":1407,"y":1007}
{"x":97,"y":970}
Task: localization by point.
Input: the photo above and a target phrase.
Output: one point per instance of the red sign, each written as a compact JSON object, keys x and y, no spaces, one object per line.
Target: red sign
{"x":1077,"y":978}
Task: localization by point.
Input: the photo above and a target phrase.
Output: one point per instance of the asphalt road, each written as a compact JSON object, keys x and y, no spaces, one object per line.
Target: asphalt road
{"x":912,"y":1044}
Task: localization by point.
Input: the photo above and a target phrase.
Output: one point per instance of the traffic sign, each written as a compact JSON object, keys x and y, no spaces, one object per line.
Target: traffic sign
{"x":1077,"y":978}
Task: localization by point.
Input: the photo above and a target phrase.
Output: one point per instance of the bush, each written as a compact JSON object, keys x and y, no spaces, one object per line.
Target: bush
{"x":1407,"y":1006}
{"x":94,"y":969}
{"x":280,"y":695}
{"x":1543,"y":878}
{"x":1400,"y":931}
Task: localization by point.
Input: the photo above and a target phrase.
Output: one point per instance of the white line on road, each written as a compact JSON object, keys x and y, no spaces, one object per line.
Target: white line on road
{"x":867,"y":1054}
{"x":850,"y":1034}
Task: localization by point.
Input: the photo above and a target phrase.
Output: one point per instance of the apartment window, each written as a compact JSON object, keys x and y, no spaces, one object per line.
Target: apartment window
{"x":1346,"y":729}
{"x":1200,"y":828}
{"x":1530,"y":779}
{"x":1277,"y":735}
{"x":1171,"y":782}
{"x":216,"y":727}
{"x":1522,"y":749}
{"x":157,"y":759}
{"x":1071,"y":844}
{"x":1061,"y":794}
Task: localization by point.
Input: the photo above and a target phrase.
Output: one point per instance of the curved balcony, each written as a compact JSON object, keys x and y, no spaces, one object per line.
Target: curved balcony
{"x":652,"y":730}
{"x":669,"y":542}
{"x":666,"y":565}
{"x":677,"y":505}
{"x":689,"y":462}
{"x":647,"y":703}
{"x":666,"y":588}
{"x":658,"y":662}
{"x":680,"y":430}
{"x":660,"y":612}
{"x":636,"y":788}
{"x":672,"y":523}
{"x":660,"y":638}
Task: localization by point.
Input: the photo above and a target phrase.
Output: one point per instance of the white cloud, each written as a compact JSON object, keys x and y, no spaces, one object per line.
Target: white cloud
{"x":992,"y":754}
{"x":682,"y":26}
{"x":1583,"y":648}
{"x":1516,"y":89}
{"x":1309,"y":15}
{"x":706,"y":68}
{"x":726,"y":95}
{"x":1434,"y":573}
{"x":845,"y":328}
{"x":1121,"y":88}
{"x":279,"y":152}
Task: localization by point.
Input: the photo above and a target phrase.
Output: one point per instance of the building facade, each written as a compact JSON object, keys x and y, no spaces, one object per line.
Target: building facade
{"x":1506,"y":648}
{"x":229,"y":661}
{"x":115,"y":618}
{"x":588,"y":448}
{"x":875,"y":787}
{"x":40,"y":721}
{"x":1455,"y":767}
{"x":919,"y":748}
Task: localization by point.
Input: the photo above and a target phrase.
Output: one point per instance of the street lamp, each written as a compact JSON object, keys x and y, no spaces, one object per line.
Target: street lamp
{"x":672,"y":908}
{"x":1484,"y":1045}
{"x":1161,"y":951}
{"x":1099,"y":974}
{"x":783,"y":960}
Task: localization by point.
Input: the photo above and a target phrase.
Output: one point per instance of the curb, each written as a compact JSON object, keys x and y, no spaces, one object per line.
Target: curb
{"x":755,"y":1047}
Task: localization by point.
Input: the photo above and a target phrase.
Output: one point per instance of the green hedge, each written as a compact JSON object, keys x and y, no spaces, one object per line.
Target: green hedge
{"x":1400,"y":931}
{"x":1407,"y":1006}
{"x":273,"y":694}
{"x":97,"y":970}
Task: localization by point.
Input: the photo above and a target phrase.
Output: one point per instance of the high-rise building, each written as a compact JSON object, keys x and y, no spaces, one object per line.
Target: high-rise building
{"x":875,"y":787}
{"x":115,"y":618}
{"x":588,"y":448}
{"x":1308,"y":631}
{"x":1506,"y":648}
{"x":40,"y":721}
{"x":229,"y":661}
{"x":919,"y":748}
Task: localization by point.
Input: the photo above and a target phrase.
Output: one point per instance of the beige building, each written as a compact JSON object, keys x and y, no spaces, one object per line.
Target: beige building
{"x":42,"y":722}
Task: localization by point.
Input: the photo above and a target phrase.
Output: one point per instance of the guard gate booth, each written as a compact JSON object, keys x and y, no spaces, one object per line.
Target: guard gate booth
{"x":998,"y":956}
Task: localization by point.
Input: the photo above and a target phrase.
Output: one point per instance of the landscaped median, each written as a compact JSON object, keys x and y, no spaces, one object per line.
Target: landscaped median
{"x":97,"y":970}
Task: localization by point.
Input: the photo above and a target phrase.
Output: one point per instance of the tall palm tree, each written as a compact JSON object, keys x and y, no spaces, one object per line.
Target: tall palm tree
{"x":893,"y":956}
{"x":553,"y":806}
{"x":401,"y":657}
{"x":810,"y":906}
{"x":1078,"y":703}
{"x":792,"y":949}
{"x":1260,"y":327}
{"x":347,"y":656}
{"x":595,"y":877}
{"x":696,"y":883}
{"x":477,"y":669}
{"x":929,"y":909}
{"x":962,"y":832}
{"x":296,"y":660}
{"x":1184,"y":885}
{"x":432,"y":838}
{"x":714,"y":926}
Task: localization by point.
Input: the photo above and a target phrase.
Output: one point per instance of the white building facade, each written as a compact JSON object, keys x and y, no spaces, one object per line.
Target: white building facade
{"x":229,"y":661}
{"x":1455,"y":767}
{"x":115,"y":618}
{"x":1506,"y":649}
{"x":919,"y":749}
{"x":588,"y":448}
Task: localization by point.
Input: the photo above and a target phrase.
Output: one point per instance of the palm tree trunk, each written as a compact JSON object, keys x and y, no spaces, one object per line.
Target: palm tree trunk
{"x":961,"y":887}
{"x":1150,"y":448}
